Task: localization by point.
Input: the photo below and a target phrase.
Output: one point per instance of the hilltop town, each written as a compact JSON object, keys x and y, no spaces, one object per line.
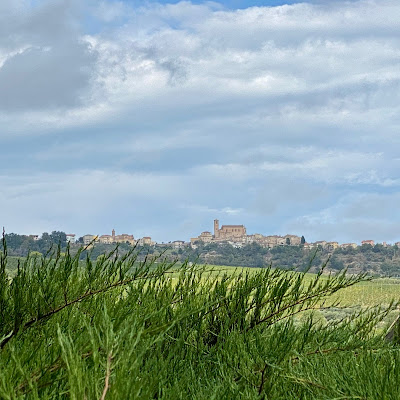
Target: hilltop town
{"x":228,"y":245}
{"x":234,"y":235}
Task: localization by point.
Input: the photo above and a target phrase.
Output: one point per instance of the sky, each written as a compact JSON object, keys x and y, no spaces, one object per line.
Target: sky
{"x":155,"y":118}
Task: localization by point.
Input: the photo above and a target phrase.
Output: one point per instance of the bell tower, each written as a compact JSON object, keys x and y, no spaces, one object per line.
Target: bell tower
{"x":216,"y":229}
{"x":113,"y":233}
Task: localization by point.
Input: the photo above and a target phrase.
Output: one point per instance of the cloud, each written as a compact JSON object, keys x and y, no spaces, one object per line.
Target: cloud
{"x":45,"y":63}
{"x":354,"y":217}
{"x":169,"y":115}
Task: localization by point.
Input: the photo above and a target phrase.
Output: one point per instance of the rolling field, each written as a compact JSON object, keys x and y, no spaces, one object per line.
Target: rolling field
{"x":376,"y":292}
{"x":379,"y":291}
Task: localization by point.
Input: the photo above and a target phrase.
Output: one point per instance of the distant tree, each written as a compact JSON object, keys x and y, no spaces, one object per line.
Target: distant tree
{"x":365,"y":248}
{"x":336,"y":264}
{"x":46,"y":239}
{"x":303,"y":240}
{"x":14,"y":240}
{"x":378,"y":248}
{"x":58,"y":237}
{"x":288,"y":241}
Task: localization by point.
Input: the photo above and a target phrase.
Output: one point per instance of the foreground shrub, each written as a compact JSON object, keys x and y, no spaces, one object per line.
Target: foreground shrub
{"x":121,"y":328}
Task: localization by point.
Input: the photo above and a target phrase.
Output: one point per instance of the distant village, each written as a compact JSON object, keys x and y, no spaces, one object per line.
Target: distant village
{"x":235,"y":235}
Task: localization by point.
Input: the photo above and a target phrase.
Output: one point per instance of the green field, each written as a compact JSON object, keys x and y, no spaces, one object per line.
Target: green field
{"x":379,"y":291}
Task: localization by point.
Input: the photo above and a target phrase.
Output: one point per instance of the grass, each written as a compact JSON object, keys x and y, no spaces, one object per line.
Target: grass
{"x":379,"y":291}
{"x":122,"y":328}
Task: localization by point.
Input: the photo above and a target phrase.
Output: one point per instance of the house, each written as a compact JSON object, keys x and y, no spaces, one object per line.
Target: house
{"x":370,"y":242}
{"x":145,"y":241}
{"x":178,"y":244}
{"x":332,"y":245}
{"x":106,"y":239}
{"x":292,"y":240}
{"x":87,"y":239}
{"x":70,"y":237}
{"x":205,"y":237}
{"x":348,"y":245}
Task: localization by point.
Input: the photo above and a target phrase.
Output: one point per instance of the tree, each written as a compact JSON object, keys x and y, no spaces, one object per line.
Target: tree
{"x":58,"y":237}
{"x":303,"y":240}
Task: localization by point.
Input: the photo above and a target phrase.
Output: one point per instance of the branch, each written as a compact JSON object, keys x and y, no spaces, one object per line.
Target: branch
{"x":50,"y":313}
{"x":107,"y":379}
{"x":303,"y":299}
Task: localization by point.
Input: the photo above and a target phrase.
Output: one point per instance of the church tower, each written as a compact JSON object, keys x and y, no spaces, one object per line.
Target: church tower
{"x":216,"y":229}
{"x":113,"y":234}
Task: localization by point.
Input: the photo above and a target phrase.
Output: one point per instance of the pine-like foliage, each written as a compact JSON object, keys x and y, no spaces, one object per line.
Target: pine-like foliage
{"x":122,"y":328}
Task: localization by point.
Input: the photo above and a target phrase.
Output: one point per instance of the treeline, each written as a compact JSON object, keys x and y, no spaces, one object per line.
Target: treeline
{"x":21,"y":245}
{"x":374,"y":260}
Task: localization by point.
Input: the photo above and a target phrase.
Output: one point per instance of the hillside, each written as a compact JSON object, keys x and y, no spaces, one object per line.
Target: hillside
{"x":377,"y":260}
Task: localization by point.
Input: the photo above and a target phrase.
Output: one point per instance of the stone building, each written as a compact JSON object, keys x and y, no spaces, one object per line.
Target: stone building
{"x":205,"y":237}
{"x":370,"y":242}
{"x":123,"y":238}
{"x":178,"y":244}
{"x":87,"y":239}
{"x":332,"y":245}
{"x":348,"y":245}
{"x":113,"y":238}
{"x":106,"y":239}
{"x":234,"y":233}
{"x":146,"y":241}
{"x":292,"y":240}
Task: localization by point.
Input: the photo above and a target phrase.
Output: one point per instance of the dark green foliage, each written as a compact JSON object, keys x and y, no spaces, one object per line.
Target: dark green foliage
{"x":376,"y":260}
{"x":21,"y":245}
{"x":335,"y":263}
{"x":120,"y":328}
{"x":250,"y":255}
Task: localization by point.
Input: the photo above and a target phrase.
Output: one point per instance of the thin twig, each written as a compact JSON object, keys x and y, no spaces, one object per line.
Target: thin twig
{"x":60,"y":308}
{"x":261,"y":388}
{"x":107,"y":379}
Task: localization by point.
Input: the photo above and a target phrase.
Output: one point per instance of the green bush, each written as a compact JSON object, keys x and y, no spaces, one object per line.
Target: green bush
{"x":121,"y":328}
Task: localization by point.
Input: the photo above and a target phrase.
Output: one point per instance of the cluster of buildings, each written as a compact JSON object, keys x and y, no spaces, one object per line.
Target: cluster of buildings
{"x":113,"y":239}
{"x":237,"y":236}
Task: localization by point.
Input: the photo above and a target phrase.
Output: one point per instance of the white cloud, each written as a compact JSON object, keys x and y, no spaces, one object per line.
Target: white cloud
{"x":355,"y":217}
{"x":273,"y":114}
